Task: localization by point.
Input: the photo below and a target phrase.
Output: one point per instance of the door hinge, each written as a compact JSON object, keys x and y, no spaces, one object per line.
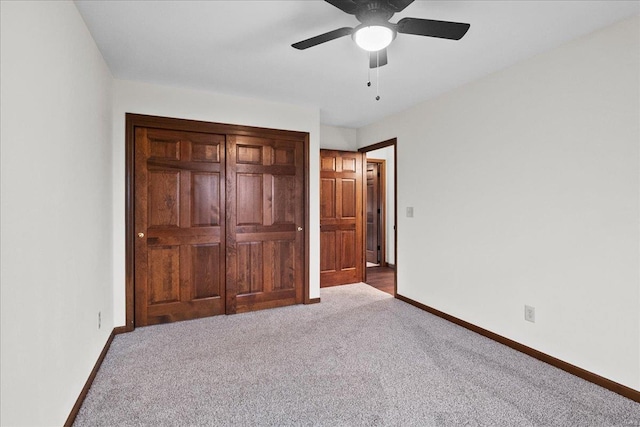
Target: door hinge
{"x":378,"y":247}
{"x":378,"y":210}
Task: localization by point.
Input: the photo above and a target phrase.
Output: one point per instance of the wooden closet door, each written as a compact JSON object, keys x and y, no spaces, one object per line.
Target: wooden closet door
{"x":179,"y":222}
{"x":341,"y":218}
{"x":265,"y":219}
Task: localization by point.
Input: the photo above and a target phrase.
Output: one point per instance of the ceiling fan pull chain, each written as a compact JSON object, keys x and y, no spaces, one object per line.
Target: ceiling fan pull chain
{"x":378,"y":76}
{"x":369,"y":72}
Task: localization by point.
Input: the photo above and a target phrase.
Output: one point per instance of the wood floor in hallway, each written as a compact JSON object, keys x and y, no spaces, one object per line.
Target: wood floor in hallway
{"x":381,"y":278}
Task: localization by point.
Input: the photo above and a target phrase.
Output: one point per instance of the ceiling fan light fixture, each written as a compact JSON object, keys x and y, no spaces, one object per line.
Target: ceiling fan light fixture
{"x":373,"y":38}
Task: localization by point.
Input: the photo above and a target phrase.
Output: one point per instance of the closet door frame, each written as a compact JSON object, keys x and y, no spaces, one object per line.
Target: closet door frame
{"x":132,"y":121}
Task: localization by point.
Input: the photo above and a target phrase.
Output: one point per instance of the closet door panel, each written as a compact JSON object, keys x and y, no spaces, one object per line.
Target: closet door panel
{"x":265,"y":220}
{"x":179,"y":219}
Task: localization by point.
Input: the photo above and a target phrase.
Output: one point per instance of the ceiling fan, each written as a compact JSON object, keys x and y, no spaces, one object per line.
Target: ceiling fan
{"x":375,"y":32}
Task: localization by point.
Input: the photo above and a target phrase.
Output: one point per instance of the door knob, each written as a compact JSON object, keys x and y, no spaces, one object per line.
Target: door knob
{"x":299,"y":228}
{"x":141,"y":235}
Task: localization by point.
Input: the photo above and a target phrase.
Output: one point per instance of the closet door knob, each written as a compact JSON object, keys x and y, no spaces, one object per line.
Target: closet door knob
{"x":299,"y":228}
{"x":141,"y":235}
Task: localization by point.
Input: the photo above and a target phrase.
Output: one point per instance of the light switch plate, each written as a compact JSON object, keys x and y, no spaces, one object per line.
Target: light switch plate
{"x":409,"y":212}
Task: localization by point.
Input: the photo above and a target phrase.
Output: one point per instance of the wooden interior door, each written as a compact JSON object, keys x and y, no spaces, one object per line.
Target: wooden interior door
{"x":215,"y":219}
{"x":341,"y":218}
{"x":265,"y":220}
{"x":374,"y":212}
{"x":179,"y":217}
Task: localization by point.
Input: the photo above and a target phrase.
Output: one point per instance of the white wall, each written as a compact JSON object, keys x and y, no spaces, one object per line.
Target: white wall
{"x":526,"y":190}
{"x":338,"y":138}
{"x":387,"y":155}
{"x":142,"y":98}
{"x":56,"y":210}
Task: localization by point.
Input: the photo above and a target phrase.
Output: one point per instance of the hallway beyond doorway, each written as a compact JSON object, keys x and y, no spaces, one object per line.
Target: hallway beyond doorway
{"x":381,"y":278}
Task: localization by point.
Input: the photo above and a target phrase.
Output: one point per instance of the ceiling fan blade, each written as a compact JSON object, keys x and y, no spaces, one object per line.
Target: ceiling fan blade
{"x":378,"y":59}
{"x":347,"y":6}
{"x":430,"y":28}
{"x":399,"y":5}
{"x":323,"y":38}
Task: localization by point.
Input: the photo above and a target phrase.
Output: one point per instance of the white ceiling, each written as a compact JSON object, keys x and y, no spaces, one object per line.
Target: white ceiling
{"x":244,"y":48}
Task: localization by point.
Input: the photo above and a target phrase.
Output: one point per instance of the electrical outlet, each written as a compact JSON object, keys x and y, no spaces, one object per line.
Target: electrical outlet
{"x":99,"y":320}
{"x":410,"y":212}
{"x":530,"y":314}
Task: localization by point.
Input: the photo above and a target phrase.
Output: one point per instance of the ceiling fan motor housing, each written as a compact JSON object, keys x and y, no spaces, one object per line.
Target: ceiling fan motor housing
{"x":374,"y":13}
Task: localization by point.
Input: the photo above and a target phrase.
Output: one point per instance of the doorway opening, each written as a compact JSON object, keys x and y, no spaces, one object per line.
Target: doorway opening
{"x":380,"y":216}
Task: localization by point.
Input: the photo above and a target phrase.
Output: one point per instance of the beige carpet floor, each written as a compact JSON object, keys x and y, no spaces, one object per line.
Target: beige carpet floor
{"x":359,"y":358}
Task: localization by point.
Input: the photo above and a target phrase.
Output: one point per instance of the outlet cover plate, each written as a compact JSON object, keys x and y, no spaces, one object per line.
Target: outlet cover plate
{"x":530,"y":314}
